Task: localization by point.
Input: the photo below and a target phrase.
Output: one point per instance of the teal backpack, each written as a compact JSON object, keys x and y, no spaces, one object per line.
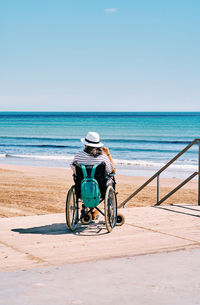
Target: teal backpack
{"x":90,"y":192}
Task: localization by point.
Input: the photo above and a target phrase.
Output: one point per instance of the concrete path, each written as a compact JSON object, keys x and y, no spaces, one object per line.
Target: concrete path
{"x":156,"y":279}
{"x":152,"y":259}
{"x":34,"y":241}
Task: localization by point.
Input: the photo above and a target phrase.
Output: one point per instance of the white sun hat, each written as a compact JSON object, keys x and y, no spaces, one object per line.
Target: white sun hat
{"x":92,"y":139}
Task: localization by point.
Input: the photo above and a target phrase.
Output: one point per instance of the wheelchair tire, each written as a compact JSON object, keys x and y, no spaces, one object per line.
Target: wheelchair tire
{"x":120,"y":220}
{"x":110,"y":208}
{"x":71,"y":209}
{"x":86,"y":219}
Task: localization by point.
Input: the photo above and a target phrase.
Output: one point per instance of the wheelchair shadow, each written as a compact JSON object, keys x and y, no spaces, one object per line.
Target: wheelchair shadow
{"x":93,"y":229}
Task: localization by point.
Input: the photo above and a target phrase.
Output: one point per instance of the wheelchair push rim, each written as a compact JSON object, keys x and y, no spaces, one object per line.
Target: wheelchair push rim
{"x":71,"y":209}
{"x":110,"y":208}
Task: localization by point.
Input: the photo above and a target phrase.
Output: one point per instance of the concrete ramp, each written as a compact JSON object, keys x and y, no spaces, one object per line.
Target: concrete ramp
{"x":33,"y":241}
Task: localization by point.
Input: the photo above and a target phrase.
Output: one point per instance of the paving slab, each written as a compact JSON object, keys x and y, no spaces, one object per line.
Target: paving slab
{"x":33,"y":241}
{"x":153,"y":279}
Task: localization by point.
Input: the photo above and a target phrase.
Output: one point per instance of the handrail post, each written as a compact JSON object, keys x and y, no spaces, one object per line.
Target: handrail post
{"x":158,"y":188}
{"x":199,"y":176}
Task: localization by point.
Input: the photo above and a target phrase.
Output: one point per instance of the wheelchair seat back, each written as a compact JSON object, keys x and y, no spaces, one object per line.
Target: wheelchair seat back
{"x":100,"y":176}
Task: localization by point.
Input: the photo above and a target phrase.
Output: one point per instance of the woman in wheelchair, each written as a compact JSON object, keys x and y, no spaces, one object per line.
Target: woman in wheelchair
{"x":94,"y":153}
{"x":93,"y":174}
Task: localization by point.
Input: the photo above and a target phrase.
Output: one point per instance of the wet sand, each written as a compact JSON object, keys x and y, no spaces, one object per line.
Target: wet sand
{"x":26,"y":190}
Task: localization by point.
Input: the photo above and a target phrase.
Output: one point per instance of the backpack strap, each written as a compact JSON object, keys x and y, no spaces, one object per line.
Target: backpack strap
{"x":93,"y":170}
{"x":84,"y":171}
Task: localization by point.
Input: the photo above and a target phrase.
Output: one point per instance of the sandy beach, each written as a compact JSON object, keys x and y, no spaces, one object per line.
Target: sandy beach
{"x":26,"y":190}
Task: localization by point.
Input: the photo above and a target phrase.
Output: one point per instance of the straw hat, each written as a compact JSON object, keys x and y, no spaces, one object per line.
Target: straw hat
{"x":92,"y":139}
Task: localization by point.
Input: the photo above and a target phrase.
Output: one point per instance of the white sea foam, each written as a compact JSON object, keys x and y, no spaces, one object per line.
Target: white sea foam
{"x":185,"y":165}
{"x":3,"y":155}
{"x":151,"y":164}
{"x":40,"y":157}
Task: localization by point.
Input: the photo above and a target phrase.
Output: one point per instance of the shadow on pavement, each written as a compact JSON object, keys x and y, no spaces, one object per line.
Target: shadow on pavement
{"x":61,"y":228}
{"x":177,"y":211}
{"x":187,"y":207}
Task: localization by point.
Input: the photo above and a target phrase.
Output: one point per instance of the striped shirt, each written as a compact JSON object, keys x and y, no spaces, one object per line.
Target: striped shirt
{"x":84,"y":158}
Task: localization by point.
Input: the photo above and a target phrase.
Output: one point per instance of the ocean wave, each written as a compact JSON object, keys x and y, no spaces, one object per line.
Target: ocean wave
{"x":118,"y":149}
{"x":185,"y":165}
{"x":40,"y":146}
{"x":39,"y":157}
{"x":156,"y":150}
{"x":151,"y":164}
{"x":3,"y":155}
{"x":147,"y":141}
{"x":106,"y":140}
{"x":39,"y":138}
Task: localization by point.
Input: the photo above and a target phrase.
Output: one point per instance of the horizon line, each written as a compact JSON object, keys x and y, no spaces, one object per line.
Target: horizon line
{"x":51,"y":111}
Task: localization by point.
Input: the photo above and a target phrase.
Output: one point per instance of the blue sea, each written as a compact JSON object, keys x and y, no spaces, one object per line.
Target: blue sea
{"x":140,"y":143}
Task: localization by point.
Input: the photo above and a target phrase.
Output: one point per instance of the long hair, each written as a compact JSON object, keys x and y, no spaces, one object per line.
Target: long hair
{"x":93,"y":151}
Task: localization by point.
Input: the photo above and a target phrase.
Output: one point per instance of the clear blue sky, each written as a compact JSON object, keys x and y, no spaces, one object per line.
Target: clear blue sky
{"x":99,"y":55}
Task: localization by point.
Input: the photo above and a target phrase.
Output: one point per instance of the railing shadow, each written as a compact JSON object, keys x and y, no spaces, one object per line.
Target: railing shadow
{"x":184,"y":207}
{"x":176,"y":211}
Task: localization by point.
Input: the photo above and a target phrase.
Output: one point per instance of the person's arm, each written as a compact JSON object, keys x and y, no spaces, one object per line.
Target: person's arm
{"x":107,"y":152}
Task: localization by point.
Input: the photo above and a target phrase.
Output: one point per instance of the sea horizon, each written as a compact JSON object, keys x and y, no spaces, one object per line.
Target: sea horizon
{"x":102,"y":112}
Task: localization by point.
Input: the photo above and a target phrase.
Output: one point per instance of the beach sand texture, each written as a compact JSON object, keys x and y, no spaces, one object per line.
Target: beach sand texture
{"x":26,"y":190}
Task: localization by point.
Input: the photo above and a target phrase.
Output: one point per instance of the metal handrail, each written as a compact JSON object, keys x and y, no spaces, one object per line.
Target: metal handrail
{"x":157,"y":174}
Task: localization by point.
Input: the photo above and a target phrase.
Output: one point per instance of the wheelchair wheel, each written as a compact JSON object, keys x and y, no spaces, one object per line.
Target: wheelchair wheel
{"x":110,"y":208}
{"x":86,"y":219}
{"x":120,"y":219}
{"x":71,"y":209}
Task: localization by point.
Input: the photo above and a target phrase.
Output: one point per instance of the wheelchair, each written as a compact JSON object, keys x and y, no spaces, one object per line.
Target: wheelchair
{"x":76,"y":211}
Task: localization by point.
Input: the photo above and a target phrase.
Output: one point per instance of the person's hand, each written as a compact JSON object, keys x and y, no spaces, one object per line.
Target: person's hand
{"x":106,"y":151}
